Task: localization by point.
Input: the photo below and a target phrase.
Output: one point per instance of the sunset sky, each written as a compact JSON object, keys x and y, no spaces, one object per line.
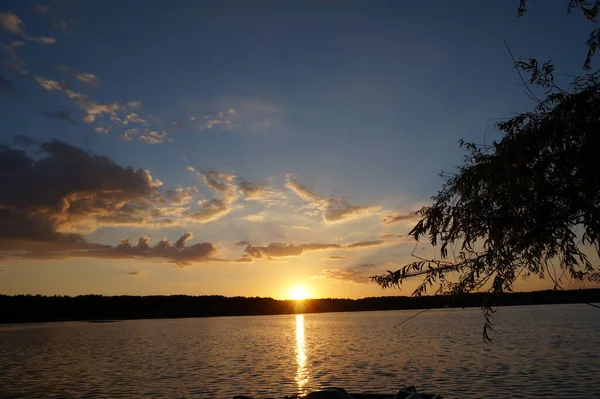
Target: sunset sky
{"x":252,"y":148}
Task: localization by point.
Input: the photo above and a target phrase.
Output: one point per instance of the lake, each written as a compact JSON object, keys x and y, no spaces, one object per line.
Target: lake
{"x":538,"y":351}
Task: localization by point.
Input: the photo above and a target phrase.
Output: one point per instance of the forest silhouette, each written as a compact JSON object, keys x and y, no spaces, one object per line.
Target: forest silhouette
{"x":37,"y":308}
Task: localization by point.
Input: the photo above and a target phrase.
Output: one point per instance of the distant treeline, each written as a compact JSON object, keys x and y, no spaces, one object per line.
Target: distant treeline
{"x":37,"y":308}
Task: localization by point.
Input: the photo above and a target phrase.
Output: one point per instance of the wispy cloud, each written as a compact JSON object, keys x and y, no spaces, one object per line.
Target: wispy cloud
{"x":60,"y":115}
{"x":343,"y":274}
{"x":250,"y":115}
{"x":10,"y":23}
{"x":407,"y":218}
{"x":85,"y":77}
{"x":332,"y":210}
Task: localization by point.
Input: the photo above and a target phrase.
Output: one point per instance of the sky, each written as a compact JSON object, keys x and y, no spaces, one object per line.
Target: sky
{"x":252,"y":148}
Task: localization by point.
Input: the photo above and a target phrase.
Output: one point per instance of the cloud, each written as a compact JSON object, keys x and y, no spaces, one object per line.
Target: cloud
{"x":332,"y":210}
{"x":259,"y":192}
{"x":65,"y":190}
{"x":128,"y":134}
{"x":181,"y":195}
{"x":136,"y":273}
{"x":410,"y":218}
{"x":257,"y":217}
{"x":43,"y":39}
{"x":134,"y":118}
{"x":17,"y":43}
{"x":343,"y":274}
{"x":119,"y":114}
{"x":13,"y":66}
{"x":85,"y":77}
{"x":10,"y":23}
{"x":240,"y":114}
{"x":364,"y":244}
{"x":179,"y":124}
{"x":104,"y":129}
{"x":179,"y":253}
{"x":92,"y":108}
{"x":17,"y":63}
{"x":53,"y":16}
{"x":278,"y":250}
{"x":336,"y":257}
{"x":60,"y":115}
{"x":88,"y":78}
{"x":219,"y":120}
{"x":25,"y":141}
{"x":213,"y":209}
{"x":153,"y":137}
{"x":213,"y":174}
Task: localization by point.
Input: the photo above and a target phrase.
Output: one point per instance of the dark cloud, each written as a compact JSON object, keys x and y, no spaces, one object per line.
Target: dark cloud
{"x":180,"y":243}
{"x":336,"y":257}
{"x":136,"y":273}
{"x":60,"y":115}
{"x":177,"y":253}
{"x":399,"y":218}
{"x":65,"y":191}
{"x":179,"y":125}
{"x":364,"y":244}
{"x":21,"y":140}
{"x":277,"y":250}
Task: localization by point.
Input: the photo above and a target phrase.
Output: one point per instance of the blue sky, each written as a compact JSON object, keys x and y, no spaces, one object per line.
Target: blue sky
{"x":337,"y":114}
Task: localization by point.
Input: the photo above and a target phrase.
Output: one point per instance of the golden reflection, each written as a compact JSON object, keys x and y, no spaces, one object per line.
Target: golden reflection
{"x":302,"y":376}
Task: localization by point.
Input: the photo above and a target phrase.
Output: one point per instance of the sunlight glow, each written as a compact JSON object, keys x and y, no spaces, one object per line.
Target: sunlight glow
{"x":302,"y":376}
{"x":298,"y":293}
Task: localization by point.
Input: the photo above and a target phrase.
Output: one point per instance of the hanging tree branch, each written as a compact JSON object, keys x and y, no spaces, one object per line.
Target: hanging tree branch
{"x":517,"y":205}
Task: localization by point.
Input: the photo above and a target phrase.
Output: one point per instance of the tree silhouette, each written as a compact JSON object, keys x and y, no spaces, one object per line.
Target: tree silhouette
{"x":525,"y":205}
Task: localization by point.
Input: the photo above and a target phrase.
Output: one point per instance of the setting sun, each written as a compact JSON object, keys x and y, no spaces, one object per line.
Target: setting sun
{"x":298,"y":293}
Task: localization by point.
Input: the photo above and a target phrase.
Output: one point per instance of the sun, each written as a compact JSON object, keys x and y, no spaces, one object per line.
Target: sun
{"x":298,"y":293}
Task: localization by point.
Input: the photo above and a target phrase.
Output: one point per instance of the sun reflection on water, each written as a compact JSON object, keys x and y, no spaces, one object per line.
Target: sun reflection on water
{"x":302,"y":376}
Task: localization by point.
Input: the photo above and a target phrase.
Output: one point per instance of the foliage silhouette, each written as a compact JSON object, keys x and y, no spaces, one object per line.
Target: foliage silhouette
{"x":526,"y":203}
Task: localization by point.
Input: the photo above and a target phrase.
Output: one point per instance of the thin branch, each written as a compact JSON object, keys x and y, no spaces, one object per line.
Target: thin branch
{"x":415,"y":315}
{"x":519,"y":72}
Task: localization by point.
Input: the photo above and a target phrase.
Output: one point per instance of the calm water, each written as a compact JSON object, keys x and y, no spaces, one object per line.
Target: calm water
{"x":541,"y":351}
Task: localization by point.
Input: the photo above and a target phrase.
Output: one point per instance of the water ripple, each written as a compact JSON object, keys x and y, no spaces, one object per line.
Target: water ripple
{"x":538,"y":352}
